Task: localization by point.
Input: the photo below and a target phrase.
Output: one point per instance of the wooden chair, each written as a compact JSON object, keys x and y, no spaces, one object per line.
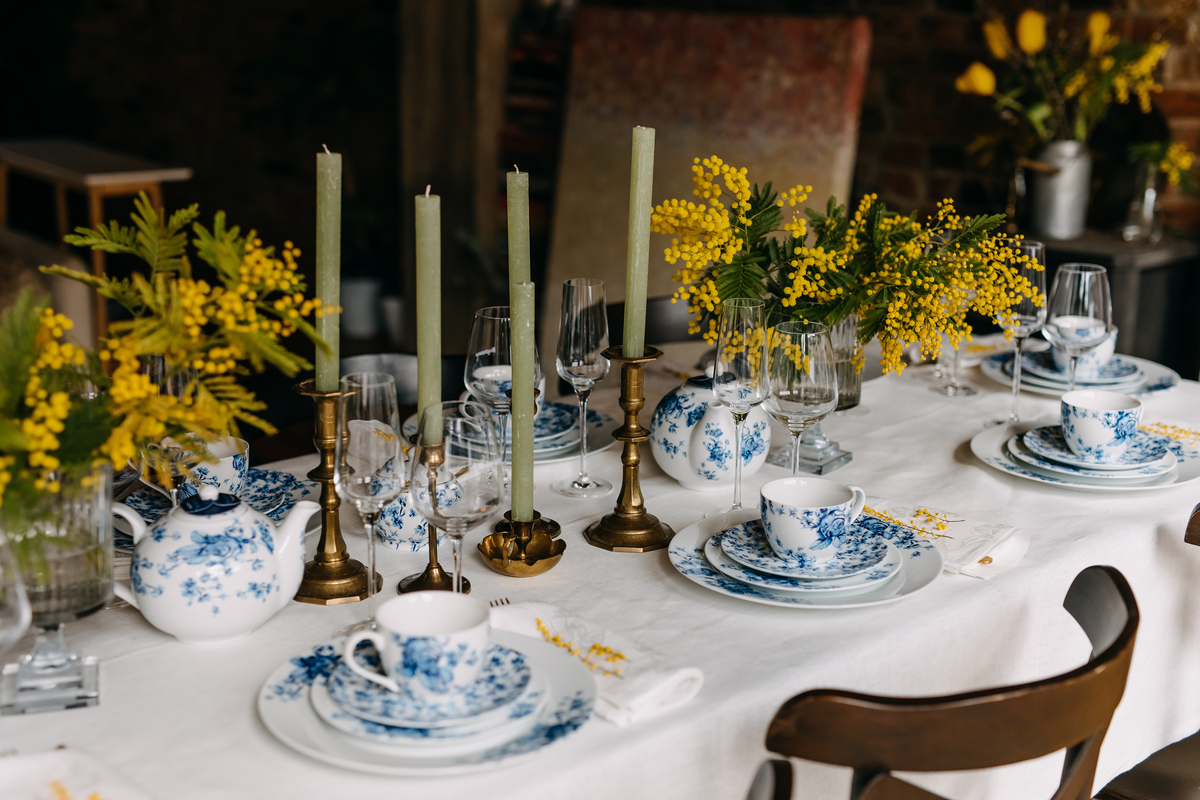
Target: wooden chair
{"x":976,"y":730}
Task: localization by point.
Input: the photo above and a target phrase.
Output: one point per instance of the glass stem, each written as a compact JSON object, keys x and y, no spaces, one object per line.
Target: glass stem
{"x":368,"y":519}
{"x":504,"y":444}
{"x":738,"y":418}
{"x":583,"y":480}
{"x":954,"y":367}
{"x":456,"y":542}
{"x":796,"y":452}
{"x":49,"y":649}
{"x":1071,"y":373}
{"x":1017,"y":344}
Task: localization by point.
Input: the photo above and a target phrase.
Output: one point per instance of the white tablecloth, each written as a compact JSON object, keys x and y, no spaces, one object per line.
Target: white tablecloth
{"x":180,"y":721}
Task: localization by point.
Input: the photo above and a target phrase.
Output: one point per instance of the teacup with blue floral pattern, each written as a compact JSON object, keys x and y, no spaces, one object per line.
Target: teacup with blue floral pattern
{"x":227,"y":472}
{"x":1099,"y":426}
{"x":1091,"y":364}
{"x":804,"y":518}
{"x":430,"y":644}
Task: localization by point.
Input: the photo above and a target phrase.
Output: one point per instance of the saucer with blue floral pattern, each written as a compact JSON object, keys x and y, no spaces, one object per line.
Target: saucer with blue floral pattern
{"x":519,"y":718}
{"x":1117,"y":370}
{"x":1144,"y":450}
{"x":504,"y":678}
{"x":1017,"y":448}
{"x":857,"y":551}
{"x":855,"y":584}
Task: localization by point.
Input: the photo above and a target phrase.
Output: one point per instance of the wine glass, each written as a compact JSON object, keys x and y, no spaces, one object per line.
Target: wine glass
{"x":1027,"y":259}
{"x":953,"y":386}
{"x":740,"y":372}
{"x":488,"y":372}
{"x":582,"y":338}
{"x":62,"y":542}
{"x":456,"y":480}
{"x":803,"y":379}
{"x":14,"y":604}
{"x":1079,"y":313}
{"x":370,"y":469}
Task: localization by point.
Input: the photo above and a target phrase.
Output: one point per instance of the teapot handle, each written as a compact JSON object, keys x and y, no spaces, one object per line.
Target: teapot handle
{"x":133,"y":518}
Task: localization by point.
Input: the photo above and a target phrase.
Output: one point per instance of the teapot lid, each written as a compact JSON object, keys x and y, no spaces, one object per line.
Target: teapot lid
{"x":209,"y":501}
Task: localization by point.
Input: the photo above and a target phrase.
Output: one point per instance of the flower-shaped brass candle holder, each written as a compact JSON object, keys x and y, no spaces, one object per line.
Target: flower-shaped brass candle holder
{"x":630,"y":529}
{"x":332,"y":577}
{"x":523,"y":549}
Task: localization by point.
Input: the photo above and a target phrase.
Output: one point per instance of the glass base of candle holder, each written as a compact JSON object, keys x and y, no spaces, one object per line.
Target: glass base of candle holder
{"x":27,"y":690}
{"x":818,"y":455}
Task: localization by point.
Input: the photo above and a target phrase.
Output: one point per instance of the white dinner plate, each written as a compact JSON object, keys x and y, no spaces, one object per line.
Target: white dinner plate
{"x":922,"y":563}
{"x":1144,"y":449}
{"x":855,"y":584}
{"x":285,"y":709}
{"x":990,"y":447}
{"x":1119,"y":369}
{"x":1158,"y":378}
{"x":1016,"y":446}
{"x":600,"y":438}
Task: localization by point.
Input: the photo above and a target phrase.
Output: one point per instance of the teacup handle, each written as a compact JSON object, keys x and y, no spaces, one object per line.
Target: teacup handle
{"x":352,"y":662}
{"x":860,"y":500}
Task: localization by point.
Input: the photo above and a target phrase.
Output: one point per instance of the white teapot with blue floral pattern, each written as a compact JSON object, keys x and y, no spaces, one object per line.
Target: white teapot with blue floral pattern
{"x":692,"y":437}
{"x":214,"y":569}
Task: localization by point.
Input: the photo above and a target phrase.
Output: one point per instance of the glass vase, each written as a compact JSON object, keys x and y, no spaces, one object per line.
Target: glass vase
{"x":62,"y":541}
{"x":1143,"y":222}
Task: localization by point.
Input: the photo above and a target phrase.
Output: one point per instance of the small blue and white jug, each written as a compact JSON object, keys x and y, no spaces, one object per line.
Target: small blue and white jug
{"x":692,"y":436}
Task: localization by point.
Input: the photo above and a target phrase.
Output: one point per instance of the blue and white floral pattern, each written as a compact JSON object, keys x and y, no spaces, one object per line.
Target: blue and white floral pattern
{"x":1143,"y":449}
{"x":1099,"y":436}
{"x":730,"y":568}
{"x":504,"y":677}
{"x":401,"y":527}
{"x":857,"y":550}
{"x":228,"y":475}
{"x":1155,"y":379}
{"x":1017,"y":448}
{"x":1116,"y":370}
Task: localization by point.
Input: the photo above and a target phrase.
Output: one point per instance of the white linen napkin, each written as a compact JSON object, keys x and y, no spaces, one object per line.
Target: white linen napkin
{"x":970,"y":547}
{"x":31,"y":777}
{"x":633,"y":683}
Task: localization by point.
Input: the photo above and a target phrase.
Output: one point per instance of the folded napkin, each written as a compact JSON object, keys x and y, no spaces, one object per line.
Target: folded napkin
{"x":970,"y":547}
{"x":62,"y":774}
{"x":633,"y":683}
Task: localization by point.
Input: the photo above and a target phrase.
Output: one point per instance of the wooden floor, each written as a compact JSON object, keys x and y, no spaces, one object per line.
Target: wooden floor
{"x":1172,"y":773}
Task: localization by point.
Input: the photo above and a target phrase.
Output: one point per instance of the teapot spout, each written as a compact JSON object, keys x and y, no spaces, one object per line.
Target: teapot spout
{"x":289,"y":535}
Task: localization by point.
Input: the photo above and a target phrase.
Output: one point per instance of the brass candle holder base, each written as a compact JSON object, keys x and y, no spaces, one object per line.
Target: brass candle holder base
{"x":433,"y":578}
{"x":332,"y":577}
{"x":630,"y":529}
{"x":523,"y":549}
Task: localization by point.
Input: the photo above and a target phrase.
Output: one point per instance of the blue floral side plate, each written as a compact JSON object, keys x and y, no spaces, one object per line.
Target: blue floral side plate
{"x":861,"y":582}
{"x":1144,"y":449}
{"x":857,"y":551}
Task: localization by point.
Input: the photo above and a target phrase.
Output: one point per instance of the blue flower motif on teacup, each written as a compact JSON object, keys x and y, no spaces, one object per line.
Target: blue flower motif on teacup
{"x":401,"y":527}
{"x":692,"y":435}
{"x":826,"y":524}
{"x":1096,"y":426}
{"x":430,"y":661}
{"x":1091,"y":364}
{"x":228,"y":475}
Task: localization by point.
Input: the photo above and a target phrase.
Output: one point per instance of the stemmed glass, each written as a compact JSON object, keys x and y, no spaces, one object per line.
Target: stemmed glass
{"x":803,"y":379}
{"x":457,"y":478}
{"x":1027,"y":259}
{"x":1079,"y":314}
{"x":14,"y":604}
{"x":953,"y":386}
{"x":740,"y":372}
{"x":370,"y":469}
{"x":488,"y":372}
{"x":582,"y":337}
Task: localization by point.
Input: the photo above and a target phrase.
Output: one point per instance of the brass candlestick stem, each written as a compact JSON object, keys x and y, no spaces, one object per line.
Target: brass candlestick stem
{"x":332,"y":577}
{"x":630,"y":529}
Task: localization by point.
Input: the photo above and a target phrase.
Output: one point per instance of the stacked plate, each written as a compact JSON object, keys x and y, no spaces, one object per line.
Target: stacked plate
{"x":1124,"y":374}
{"x":529,"y":695}
{"x":877,"y":562}
{"x":556,"y":432}
{"x":1038,"y":452}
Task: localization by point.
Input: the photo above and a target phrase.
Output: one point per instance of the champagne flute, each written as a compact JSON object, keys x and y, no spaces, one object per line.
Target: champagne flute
{"x":488,"y":371}
{"x":1079,"y":313}
{"x":456,"y":480}
{"x":369,"y":470}
{"x":740,"y":373}
{"x":803,"y":379}
{"x":1028,"y":261}
{"x":582,"y":338}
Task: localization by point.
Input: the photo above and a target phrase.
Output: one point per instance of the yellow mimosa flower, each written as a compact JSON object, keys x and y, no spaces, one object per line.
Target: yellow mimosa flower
{"x":978,"y":79}
{"x":1098,"y":24}
{"x":1031,"y":31}
{"x":997,"y":38}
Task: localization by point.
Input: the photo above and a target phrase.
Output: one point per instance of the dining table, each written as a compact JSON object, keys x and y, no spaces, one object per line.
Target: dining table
{"x":180,"y":721}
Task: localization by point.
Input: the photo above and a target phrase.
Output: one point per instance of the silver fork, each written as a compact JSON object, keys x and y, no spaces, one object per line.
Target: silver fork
{"x":503,"y":601}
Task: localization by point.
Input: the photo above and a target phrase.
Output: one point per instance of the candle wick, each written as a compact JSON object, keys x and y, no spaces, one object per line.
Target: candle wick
{"x":518,"y":169}
{"x":326,"y":148}
{"x":428,"y":186}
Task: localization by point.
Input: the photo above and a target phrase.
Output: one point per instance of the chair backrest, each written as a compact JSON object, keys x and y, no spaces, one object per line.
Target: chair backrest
{"x":975,"y":730}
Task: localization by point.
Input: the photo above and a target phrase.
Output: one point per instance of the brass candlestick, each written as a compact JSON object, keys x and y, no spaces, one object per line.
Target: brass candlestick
{"x":523,"y":549}
{"x":433,"y":578}
{"x":332,"y":577}
{"x":630,"y":529}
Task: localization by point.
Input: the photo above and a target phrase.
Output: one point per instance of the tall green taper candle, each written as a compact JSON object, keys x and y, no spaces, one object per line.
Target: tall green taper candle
{"x":521,"y":296}
{"x":429,"y":312}
{"x":637,"y":256}
{"x":329,"y":265}
{"x":518,"y":226}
